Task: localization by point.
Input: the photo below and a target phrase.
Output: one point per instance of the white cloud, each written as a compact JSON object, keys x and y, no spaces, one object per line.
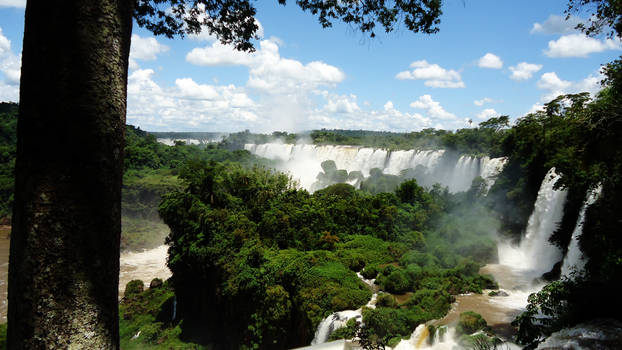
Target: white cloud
{"x":342,"y":104}
{"x":13,"y":3}
{"x":269,"y":72}
{"x":433,"y":108}
{"x":146,"y":49}
{"x":535,"y":108}
{"x":487,"y":114}
{"x":188,"y":105}
{"x":556,"y":25}
{"x":550,"y":81}
{"x":557,"y":86}
{"x":10,"y":68}
{"x":524,"y":70}
{"x":483,"y":101}
{"x":191,"y":90}
{"x":433,"y":74}
{"x":490,"y":60}
{"x":579,"y":45}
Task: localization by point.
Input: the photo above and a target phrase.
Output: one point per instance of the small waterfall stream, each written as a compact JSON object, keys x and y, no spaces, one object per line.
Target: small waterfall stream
{"x":339,"y":319}
{"x":574,"y":258}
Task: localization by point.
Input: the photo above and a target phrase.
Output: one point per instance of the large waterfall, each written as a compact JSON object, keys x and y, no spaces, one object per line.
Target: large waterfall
{"x":535,"y":253}
{"x":303,"y":161}
{"x":574,"y":258}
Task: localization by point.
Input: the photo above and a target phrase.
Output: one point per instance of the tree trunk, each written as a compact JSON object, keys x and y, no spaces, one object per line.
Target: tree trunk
{"x":64,"y":259}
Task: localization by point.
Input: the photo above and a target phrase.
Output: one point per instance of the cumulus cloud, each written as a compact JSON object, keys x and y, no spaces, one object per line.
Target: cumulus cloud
{"x":187,"y":105}
{"x":342,"y":104}
{"x":10,"y":66}
{"x":580,"y":45}
{"x":433,"y":75}
{"x":490,"y":60}
{"x":13,"y":3}
{"x":487,"y":114}
{"x":268,"y":71}
{"x":524,"y":70}
{"x":556,"y":25}
{"x":146,"y":49}
{"x":483,"y":101}
{"x":432,"y":108}
{"x":556,"y":86}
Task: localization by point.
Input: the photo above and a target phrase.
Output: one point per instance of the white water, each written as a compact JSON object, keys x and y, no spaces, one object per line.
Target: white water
{"x":574,"y":258}
{"x":536,"y":255}
{"x":518,"y":267}
{"x":303,"y":162}
{"x":420,"y":340}
{"x":602,"y":334}
{"x":338,"y":320}
{"x":145,"y":266}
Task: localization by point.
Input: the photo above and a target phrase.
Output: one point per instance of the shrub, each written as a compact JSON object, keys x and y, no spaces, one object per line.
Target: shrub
{"x":133,"y":287}
{"x":370,"y":272}
{"x":386,"y":300}
{"x":470,"y":322}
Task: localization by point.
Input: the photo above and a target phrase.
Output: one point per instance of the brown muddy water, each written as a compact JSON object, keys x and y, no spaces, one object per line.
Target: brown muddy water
{"x":144,"y":265}
{"x":500,"y":310}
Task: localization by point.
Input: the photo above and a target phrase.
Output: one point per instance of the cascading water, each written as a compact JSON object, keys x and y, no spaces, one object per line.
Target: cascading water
{"x":339,"y":319}
{"x":421,"y":339}
{"x":535,"y":253}
{"x":144,"y":266}
{"x":303,"y":162}
{"x":574,"y":258}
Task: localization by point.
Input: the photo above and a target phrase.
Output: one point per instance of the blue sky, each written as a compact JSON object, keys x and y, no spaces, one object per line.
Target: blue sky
{"x":490,"y":58}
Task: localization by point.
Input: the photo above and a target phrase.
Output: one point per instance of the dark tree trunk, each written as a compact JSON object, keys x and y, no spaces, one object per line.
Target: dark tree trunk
{"x":64,"y":260}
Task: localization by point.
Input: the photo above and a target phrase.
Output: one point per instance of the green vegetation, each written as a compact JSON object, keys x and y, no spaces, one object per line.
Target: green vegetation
{"x":8,"y":144}
{"x":146,"y":320}
{"x":3,"y":336}
{"x":580,"y":137}
{"x":151,"y":170}
{"x":470,"y":322}
{"x":249,"y":251}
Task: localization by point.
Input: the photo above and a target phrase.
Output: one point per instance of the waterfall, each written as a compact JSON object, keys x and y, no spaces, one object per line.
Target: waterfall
{"x":303,"y":162}
{"x":442,"y":339}
{"x":574,"y":258}
{"x":338,"y":320}
{"x":174,"y":309}
{"x":490,"y":168}
{"x":535,"y":253}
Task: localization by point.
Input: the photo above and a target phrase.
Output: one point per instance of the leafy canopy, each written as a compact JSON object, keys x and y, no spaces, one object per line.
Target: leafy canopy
{"x":233,"y":21}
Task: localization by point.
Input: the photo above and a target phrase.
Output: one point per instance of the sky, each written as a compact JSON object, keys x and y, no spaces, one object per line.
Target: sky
{"x":489,"y":58}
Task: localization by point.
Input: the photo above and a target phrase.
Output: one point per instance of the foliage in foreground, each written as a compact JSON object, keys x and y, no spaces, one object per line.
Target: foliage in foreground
{"x":587,"y":155}
{"x":270,"y":262}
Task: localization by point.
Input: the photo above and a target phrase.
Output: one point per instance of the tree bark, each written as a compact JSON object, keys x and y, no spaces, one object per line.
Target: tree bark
{"x":64,"y":258}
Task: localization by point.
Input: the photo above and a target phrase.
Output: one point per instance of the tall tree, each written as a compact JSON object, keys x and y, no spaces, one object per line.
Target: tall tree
{"x":64,"y":259}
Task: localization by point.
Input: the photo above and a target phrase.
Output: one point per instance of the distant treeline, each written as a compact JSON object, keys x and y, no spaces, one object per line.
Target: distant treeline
{"x":483,"y":140}
{"x":188,"y":135}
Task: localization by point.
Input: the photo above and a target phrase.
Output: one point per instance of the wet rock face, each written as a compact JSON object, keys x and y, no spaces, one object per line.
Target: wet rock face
{"x":602,"y":334}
